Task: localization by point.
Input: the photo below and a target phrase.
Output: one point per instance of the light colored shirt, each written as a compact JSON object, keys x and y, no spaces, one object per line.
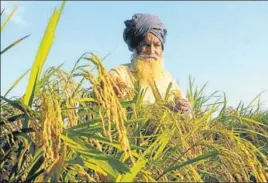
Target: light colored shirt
{"x":126,"y":73}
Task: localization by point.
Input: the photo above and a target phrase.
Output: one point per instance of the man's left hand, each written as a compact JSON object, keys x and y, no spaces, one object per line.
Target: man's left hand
{"x":183,"y":105}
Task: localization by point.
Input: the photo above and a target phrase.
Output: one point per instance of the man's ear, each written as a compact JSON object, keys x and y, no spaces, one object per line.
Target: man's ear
{"x":138,"y":49}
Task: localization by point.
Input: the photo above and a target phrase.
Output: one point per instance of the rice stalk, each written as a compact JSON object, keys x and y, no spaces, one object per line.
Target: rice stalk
{"x":103,"y":89}
{"x":52,"y":125}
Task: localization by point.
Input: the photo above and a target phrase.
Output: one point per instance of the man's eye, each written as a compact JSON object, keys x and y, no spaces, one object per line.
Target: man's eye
{"x":147,"y":45}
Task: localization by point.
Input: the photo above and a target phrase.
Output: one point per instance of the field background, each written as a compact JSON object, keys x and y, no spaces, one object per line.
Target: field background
{"x":68,"y":125}
{"x":222,"y":43}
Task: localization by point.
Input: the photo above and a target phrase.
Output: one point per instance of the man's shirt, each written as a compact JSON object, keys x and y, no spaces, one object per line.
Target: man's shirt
{"x":126,"y":73}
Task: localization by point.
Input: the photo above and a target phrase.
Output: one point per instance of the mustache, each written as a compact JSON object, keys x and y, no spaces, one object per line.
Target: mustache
{"x":147,"y":57}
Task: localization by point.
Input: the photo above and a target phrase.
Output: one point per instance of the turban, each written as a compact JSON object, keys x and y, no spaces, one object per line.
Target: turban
{"x":139,"y":26}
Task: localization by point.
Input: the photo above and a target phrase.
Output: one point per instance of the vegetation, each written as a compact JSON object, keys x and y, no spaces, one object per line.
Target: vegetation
{"x":60,"y":130}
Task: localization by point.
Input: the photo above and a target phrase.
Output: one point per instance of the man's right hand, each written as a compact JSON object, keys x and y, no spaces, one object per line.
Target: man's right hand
{"x":119,"y":87}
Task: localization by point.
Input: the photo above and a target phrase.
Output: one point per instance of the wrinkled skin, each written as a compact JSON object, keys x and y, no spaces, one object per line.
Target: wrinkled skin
{"x":150,"y":48}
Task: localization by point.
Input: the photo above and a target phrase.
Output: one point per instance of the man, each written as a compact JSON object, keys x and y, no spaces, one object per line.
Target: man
{"x":145,"y":36}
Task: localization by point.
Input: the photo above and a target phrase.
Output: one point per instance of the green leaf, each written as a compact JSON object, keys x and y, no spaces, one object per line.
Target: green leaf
{"x":24,"y":150}
{"x":41,"y":55}
{"x":16,"y":82}
{"x":160,"y":143}
{"x":157,"y":94}
{"x":14,"y":43}
{"x":168,"y":91}
{"x":8,"y":18}
{"x":13,"y":118}
{"x":206,"y":155}
{"x":35,"y":166}
{"x":249,"y":120}
{"x":224,"y":106}
{"x":92,"y":156}
{"x":44,"y":79}
{"x":14,"y":103}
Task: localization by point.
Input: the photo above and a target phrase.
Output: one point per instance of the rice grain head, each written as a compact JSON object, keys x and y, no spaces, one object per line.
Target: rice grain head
{"x":52,"y":125}
{"x":103,"y":88}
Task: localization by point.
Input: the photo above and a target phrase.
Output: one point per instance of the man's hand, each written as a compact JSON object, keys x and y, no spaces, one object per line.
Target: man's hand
{"x":119,"y":86}
{"x":183,"y":105}
{"x":120,"y":89}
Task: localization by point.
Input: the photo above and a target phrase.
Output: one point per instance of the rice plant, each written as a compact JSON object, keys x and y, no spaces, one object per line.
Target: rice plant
{"x":60,"y":130}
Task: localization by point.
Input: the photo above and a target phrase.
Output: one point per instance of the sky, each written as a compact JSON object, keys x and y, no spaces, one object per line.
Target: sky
{"x":223,"y":43}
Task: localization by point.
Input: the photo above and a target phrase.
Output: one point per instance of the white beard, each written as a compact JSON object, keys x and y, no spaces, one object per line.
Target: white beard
{"x":147,"y":69}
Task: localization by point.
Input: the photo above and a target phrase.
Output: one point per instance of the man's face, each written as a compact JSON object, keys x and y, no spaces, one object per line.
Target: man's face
{"x":147,"y":59}
{"x":150,"y":48}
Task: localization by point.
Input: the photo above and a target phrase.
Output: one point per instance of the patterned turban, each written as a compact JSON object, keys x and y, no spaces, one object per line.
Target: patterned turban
{"x":139,"y":26}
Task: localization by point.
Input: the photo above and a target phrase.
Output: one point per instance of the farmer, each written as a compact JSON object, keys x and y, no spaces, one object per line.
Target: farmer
{"x":145,"y":37}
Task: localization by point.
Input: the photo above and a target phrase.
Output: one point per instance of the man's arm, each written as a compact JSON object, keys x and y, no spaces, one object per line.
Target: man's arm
{"x":182,"y":104}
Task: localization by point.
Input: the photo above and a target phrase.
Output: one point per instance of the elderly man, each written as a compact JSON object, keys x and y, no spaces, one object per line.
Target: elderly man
{"x":145,"y":36}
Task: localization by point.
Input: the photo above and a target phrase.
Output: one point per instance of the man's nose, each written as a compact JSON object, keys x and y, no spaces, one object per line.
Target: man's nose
{"x":151,"y":49}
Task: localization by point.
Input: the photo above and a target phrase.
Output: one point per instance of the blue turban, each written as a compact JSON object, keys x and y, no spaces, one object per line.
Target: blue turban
{"x":139,"y":26}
